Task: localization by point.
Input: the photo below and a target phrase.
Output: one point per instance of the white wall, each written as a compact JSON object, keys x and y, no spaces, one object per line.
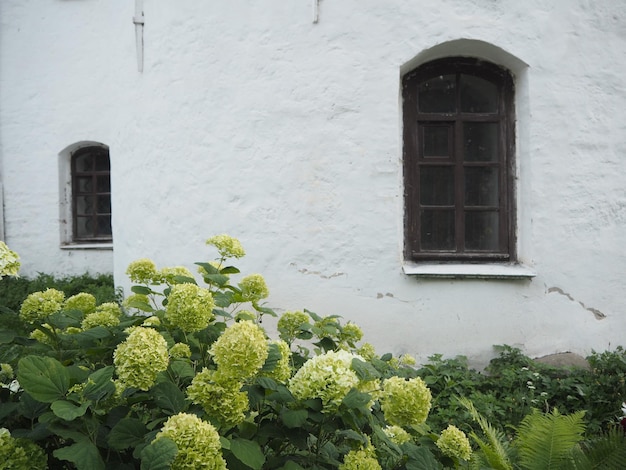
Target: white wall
{"x":252,"y":120}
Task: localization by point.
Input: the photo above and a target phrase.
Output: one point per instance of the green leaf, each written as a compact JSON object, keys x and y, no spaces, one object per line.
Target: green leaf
{"x":100,"y":384}
{"x":67,"y":410}
{"x":294,"y":418}
{"x":141,"y":290}
{"x":248,"y":452}
{"x":44,"y":378}
{"x":159,"y":454}
{"x":84,"y":455}
{"x":356,"y":399}
{"x":182,"y":369}
{"x":128,"y":432}
{"x":140,"y":305}
{"x":267,"y":383}
{"x":386,"y":357}
{"x":291,"y":466}
{"x":364,"y":370}
{"x":209,"y":268}
{"x":184,"y":280}
{"x":168,"y":396}
{"x":6,"y":336}
{"x":420,"y":458}
{"x":273,"y":357}
{"x":229,"y":270}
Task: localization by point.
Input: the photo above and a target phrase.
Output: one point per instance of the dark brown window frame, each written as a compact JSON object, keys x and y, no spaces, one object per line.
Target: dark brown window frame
{"x":414,"y":161}
{"x":92,"y":212}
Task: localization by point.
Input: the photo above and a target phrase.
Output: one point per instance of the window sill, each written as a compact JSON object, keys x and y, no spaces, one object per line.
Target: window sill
{"x":469,"y":271}
{"x":88,"y":246}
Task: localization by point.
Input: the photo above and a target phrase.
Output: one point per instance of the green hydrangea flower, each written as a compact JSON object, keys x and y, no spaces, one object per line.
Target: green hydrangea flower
{"x":141,"y":357}
{"x":367,"y":351}
{"x":282,"y":371}
{"x":40,"y":305}
{"x":143,"y":271}
{"x":227,"y":246}
{"x":84,"y":302}
{"x":9,"y":261}
{"x":361,"y":459}
{"x":454,"y":443}
{"x":6,"y":373}
{"x":253,"y":288}
{"x":397,"y":435}
{"x":405,"y":402}
{"x":289,"y":324}
{"x":198,"y":443}
{"x":20,"y":454}
{"x":189,"y":307}
{"x":240,"y":351}
{"x":180,"y":350}
{"x":328,"y":376}
{"x":107,"y":315}
{"x":152,"y":321}
{"x":167,"y":275}
{"x":350,"y":333}
{"x":43,"y":338}
{"x":220,"y":397}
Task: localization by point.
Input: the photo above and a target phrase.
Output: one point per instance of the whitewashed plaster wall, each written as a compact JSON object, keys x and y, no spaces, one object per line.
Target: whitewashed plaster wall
{"x":251,"y":119}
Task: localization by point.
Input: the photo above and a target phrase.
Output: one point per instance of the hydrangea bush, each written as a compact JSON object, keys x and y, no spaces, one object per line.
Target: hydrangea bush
{"x":183,"y":376}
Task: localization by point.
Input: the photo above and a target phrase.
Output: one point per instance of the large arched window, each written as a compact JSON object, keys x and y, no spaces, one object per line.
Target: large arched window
{"x":91,"y":195}
{"x":458,"y":161}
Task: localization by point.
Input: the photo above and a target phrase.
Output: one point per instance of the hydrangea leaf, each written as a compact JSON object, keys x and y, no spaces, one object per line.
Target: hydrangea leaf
{"x":99,"y":384}
{"x":294,"y":418}
{"x":169,"y":397}
{"x":248,"y":452}
{"x":84,"y":455}
{"x":159,"y":454}
{"x":44,"y":378}
{"x":364,"y":370}
{"x":128,"y":432}
{"x":67,"y":410}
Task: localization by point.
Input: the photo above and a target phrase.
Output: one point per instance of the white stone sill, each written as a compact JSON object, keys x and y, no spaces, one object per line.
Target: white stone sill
{"x":468,"y":271}
{"x":87,"y":246}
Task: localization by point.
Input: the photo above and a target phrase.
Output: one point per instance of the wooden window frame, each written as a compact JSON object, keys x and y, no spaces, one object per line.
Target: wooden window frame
{"x":94,"y":173}
{"x":414,"y":120}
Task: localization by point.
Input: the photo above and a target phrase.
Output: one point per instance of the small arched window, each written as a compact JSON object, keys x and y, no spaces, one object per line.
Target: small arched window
{"x":458,"y":161}
{"x":91,"y":195}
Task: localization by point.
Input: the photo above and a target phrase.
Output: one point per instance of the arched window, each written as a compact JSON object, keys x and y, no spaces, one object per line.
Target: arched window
{"x":458,"y":161}
{"x":91,"y":195}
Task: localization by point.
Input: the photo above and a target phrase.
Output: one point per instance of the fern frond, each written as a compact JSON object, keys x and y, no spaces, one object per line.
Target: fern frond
{"x":547,"y":441}
{"x":606,"y":452}
{"x":495,"y":449}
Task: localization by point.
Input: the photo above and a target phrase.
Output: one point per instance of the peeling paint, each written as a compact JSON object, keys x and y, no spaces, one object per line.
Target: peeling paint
{"x":317,"y":273}
{"x":596,"y":313}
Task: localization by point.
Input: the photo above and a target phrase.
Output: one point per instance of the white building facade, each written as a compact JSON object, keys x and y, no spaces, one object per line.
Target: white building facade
{"x":286,"y":125}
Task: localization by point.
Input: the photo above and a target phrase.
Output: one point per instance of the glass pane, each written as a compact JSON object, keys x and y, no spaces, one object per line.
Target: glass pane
{"x":436,"y":185}
{"x":435,"y":141}
{"x":84,"y":163}
{"x":437,"y":95}
{"x":104,"y":204}
{"x":104,"y":184}
{"x":478,"y":95}
{"x":84,"y":227}
{"x":104,"y":226}
{"x":84,"y":205}
{"x":85,"y":185}
{"x":481,"y":186}
{"x":437,"y":230}
{"x":481,"y":231}
{"x":480,"y":141}
{"x":102,"y":162}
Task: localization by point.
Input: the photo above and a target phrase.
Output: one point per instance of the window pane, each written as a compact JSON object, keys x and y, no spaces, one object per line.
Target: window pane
{"x":435,"y":141}
{"x":104,"y":204}
{"x":102,"y":162}
{"x":84,"y":227}
{"x":84,"y":205}
{"x":437,"y":95}
{"x":481,"y":186}
{"x":104,"y":184}
{"x":436,"y":185}
{"x":84,"y":163}
{"x":104,"y":226}
{"x":481,"y":231}
{"x":478,"y":95}
{"x":85,"y":185}
{"x":437,"y":230}
{"x":480,"y":141}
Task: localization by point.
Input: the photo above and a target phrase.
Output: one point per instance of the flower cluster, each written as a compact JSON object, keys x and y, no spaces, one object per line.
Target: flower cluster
{"x":198,"y":443}
{"x":84,"y":302}
{"x":282,"y":370}
{"x":290,"y":323}
{"x":405,"y":402}
{"x":20,"y":454}
{"x":328,"y":376}
{"x":179,"y":350}
{"x":253,"y":288}
{"x":169,"y":275}
{"x":227,"y":246}
{"x":141,"y":357}
{"x":9,"y":261}
{"x":107,"y":315}
{"x":361,"y":459}
{"x":190,"y":307}
{"x":143,"y":271}
{"x":397,"y":435}
{"x":220,"y":397}
{"x":241,"y":350}
{"x":6,"y":373}
{"x":40,"y":305}
{"x":454,"y":443}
